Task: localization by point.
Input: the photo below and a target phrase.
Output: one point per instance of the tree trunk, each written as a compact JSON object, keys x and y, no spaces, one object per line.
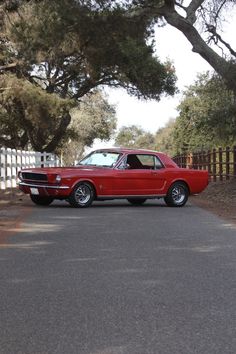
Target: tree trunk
{"x":59,"y":133}
{"x":226,"y":69}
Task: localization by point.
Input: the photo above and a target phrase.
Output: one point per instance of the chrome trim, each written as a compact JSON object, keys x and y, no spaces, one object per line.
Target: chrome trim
{"x":42,"y":186}
{"x":151,"y":196}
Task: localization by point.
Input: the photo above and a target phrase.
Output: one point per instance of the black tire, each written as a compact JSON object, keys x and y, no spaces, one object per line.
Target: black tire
{"x":82,"y":195}
{"x":177,"y":195}
{"x":136,"y":201}
{"x":41,"y":200}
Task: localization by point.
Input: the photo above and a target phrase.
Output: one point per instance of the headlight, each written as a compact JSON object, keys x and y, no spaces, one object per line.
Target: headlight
{"x":20,"y":176}
{"x":58,"y":178}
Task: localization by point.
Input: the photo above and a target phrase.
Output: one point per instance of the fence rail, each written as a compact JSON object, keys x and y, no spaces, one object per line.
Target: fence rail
{"x":11,"y":161}
{"x":220,"y":163}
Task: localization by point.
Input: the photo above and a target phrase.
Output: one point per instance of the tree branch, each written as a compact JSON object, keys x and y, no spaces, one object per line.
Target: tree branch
{"x":227,"y":70}
{"x":191,"y":10}
{"x":217,"y":37}
{"x":8,"y":66}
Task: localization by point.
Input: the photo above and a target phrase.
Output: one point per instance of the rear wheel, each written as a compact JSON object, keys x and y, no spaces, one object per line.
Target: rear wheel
{"x":177,"y":195}
{"x":82,"y":196}
{"x":41,"y":200}
{"x":137,"y":201}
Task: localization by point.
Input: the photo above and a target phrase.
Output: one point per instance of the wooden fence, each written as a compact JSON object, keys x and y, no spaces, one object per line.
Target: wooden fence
{"x":11,"y":161}
{"x":220,"y":163}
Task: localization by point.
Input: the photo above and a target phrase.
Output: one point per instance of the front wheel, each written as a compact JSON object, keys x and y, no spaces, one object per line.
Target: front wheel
{"x":41,"y":200}
{"x":136,"y":201}
{"x":177,"y":195}
{"x":82,"y":196}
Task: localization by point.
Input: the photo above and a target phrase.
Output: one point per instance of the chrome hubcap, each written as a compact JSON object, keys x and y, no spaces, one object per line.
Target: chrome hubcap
{"x":178,"y":194}
{"x":82,"y":194}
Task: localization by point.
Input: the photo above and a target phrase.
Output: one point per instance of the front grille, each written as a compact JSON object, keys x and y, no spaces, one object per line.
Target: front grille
{"x":34,"y":176}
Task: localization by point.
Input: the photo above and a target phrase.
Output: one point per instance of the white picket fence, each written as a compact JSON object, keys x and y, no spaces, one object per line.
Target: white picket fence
{"x":12,"y":161}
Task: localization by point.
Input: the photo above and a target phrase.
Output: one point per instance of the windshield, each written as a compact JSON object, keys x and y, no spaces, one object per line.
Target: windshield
{"x":100,"y":158}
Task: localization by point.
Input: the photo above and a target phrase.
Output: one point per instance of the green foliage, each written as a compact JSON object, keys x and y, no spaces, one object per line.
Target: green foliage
{"x":29,"y":114}
{"x":207,"y":116}
{"x":164,"y":138}
{"x":134,"y":137}
{"x":78,"y":47}
{"x":94,"y":119}
{"x":67,"y":49}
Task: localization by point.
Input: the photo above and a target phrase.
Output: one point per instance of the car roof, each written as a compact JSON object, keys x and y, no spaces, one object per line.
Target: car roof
{"x":165,"y":159}
{"x":127,"y":150}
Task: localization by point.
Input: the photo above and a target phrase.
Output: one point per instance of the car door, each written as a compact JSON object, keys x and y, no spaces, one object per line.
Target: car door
{"x":140,"y":174}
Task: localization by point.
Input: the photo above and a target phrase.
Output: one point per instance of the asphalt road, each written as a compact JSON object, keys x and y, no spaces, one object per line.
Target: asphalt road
{"x":118,"y":279}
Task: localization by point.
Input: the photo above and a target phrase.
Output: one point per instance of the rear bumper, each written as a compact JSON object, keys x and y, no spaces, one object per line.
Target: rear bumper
{"x":45,"y":190}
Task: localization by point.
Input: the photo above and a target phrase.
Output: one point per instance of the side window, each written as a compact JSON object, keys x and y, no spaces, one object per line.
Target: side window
{"x":147,"y":161}
{"x":141,"y":162}
{"x":158,"y":163}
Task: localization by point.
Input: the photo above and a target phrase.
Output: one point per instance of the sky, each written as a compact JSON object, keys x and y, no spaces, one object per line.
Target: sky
{"x":152,"y":115}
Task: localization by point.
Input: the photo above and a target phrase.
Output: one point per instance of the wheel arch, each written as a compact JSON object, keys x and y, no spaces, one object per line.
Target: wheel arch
{"x":86,"y":180}
{"x":183,"y":181}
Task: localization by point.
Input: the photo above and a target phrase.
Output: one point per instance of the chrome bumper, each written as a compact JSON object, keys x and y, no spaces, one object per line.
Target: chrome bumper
{"x":23,"y":184}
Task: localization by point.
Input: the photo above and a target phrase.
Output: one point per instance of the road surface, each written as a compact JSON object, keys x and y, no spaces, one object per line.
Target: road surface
{"x":118,"y":279}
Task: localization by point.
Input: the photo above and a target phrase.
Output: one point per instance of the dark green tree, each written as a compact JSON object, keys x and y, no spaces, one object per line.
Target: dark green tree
{"x":29,"y":114}
{"x":207,"y":115}
{"x":134,"y":137}
{"x":164,"y":138}
{"x":200,"y":21}
{"x":70,"y":48}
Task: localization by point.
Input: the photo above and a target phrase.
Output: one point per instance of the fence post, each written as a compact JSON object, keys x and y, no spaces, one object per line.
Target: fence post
{"x":227,"y":161}
{"x":209,"y":162}
{"x":234,"y":160}
{"x":23,"y":159}
{"x":8,"y":168}
{"x":44,"y":159}
{"x":214,"y":164}
{"x":3,"y":168}
{"x":27,"y":159}
{"x":37,"y":159}
{"x":189,"y":163}
{"x":13,"y":168}
{"x":194,"y":160}
{"x":220,"y":164}
{"x":202,"y":159}
{"x":18,"y":160}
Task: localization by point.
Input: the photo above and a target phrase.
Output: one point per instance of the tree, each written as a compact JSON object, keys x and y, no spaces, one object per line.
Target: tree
{"x":200,"y":21}
{"x":95,"y":119}
{"x":134,"y":136}
{"x":207,"y":115}
{"x":30,"y":115}
{"x":75,"y":46}
{"x":164,"y":138}
{"x":70,"y":48}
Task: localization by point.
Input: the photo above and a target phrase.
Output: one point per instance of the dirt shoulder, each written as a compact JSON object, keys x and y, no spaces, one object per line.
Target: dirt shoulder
{"x":14,"y":205}
{"x":12,"y":197}
{"x":219,"y":198}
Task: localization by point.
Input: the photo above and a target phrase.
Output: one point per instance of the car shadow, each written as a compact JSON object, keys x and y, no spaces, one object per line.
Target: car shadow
{"x":112,"y":204}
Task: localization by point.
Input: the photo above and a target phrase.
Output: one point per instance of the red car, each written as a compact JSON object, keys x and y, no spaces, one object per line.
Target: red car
{"x":135,"y":175}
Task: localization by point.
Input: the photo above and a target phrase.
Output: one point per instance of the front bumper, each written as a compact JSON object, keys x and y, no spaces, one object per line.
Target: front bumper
{"x":45,"y":189}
